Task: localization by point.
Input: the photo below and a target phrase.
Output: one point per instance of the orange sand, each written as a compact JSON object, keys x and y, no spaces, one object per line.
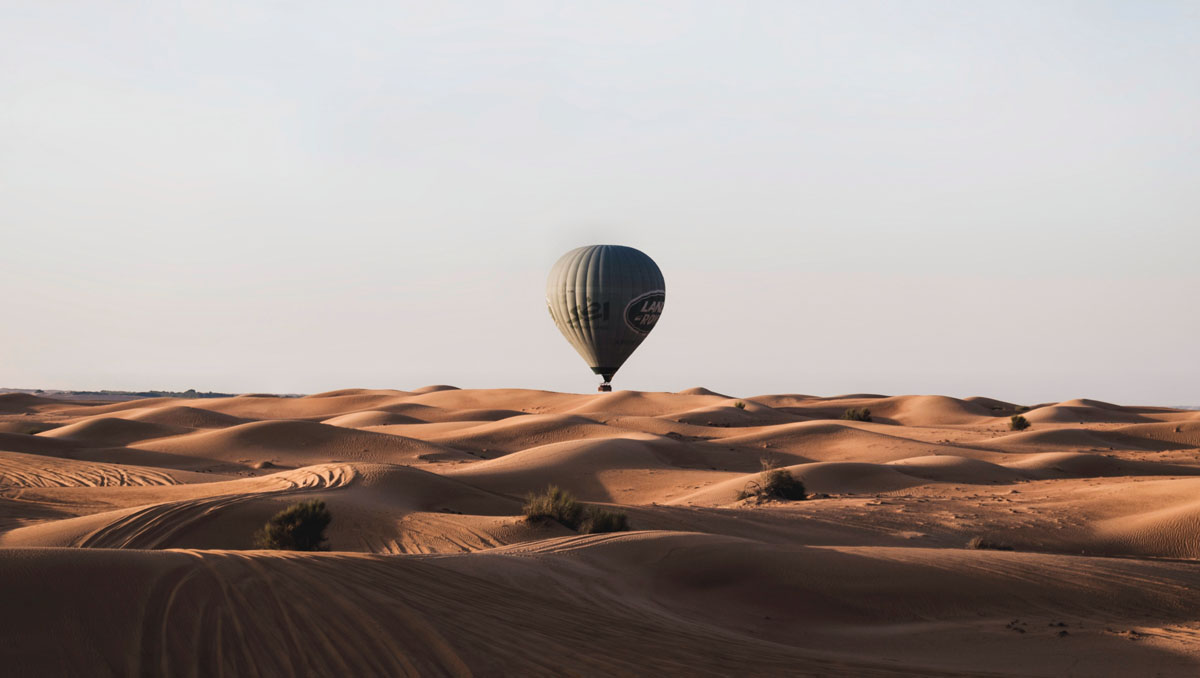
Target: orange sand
{"x":126,"y":536}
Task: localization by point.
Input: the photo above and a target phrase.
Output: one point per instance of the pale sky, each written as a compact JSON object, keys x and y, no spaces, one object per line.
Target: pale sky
{"x":965,"y":198}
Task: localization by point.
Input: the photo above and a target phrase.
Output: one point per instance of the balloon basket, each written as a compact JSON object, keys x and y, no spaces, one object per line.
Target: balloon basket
{"x":605,"y":387}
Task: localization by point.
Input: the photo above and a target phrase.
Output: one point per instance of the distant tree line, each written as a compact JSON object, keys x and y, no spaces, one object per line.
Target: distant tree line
{"x":190,"y":393}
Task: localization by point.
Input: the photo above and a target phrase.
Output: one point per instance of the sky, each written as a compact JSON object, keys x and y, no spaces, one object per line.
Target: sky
{"x":984,"y":198}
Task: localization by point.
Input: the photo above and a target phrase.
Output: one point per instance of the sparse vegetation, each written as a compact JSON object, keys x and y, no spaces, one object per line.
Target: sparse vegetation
{"x":857,"y":414}
{"x":981,"y":543}
{"x":598,"y":520}
{"x":561,"y":506}
{"x":554,"y":504}
{"x":740,"y":405}
{"x":299,"y":527}
{"x":1021,"y":409}
{"x":1018,"y":423}
{"x":774,"y":483}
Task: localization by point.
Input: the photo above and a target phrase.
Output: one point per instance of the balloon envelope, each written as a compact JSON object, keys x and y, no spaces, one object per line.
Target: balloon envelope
{"x":605,"y":299}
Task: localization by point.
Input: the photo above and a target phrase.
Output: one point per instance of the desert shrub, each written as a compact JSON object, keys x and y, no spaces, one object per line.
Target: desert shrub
{"x":740,"y":405}
{"x":299,"y":527}
{"x":857,"y":414}
{"x":561,"y":506}
{"x":1018,"y":423}
{"x":1021,"y":409}
{"x":980,"y":543}
{"x":556,"y":504}
{"x":774,"y":483}
{"x":781,"y":484}
{"x":598,"y":520}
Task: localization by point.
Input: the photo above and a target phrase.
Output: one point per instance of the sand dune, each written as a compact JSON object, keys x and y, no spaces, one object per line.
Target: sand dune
{"x":371,"y":418}
{"x":954,"y":469}
{"x":23,"y":426}
{"x":272,"y":407}
{"x":1172,"y":530}
{"x":842,"y":441}
{"x":358,"y":392}
{"x":435,"y":572}
{"x":911,"y":410}
{"x":414,"y":489}
{"x":849,"y":478}
{"x":700,"y":391}
{"x":157,"y":525}
{"x":433,"y":388}
{"x":37,"y":444}
{"x":930,"y":411}
{"x":113,"y":432}
{"x":514,"y":399}
{"x":1083,"y":414}
{"x":1083,"y":439}
{"x":298,"y":443}
{"x":991,"y":404}
{"x":432,"y":414}
{"x":640,"y":404}
{"x":832,"y":477}
{"x":729,"y":414}
{"x":90,"y":410}
{"x":462,"y":614}
{"x":32,"y":470}
{"x":25,"y":403}
{"x":1186,"y":434}
{"x":531,"y":430}
{"x":1052,"y":464}
{"x":183,"y":416}
{"x":594,"y":469}
{"x":1101,"y":405}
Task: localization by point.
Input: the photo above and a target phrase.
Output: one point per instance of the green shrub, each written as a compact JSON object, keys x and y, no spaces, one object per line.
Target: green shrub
{"x":1018,"y":423}
{"x":740,"y":405}
{"x":598,"y":520}
{"x":559,"y":505}
{"x":299,"y":527}
{"x":554,"y":504}
{"x":856,"y":414}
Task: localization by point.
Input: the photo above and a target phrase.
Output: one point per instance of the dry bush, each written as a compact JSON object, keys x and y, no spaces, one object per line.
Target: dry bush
{"x":857,"y":414}
{"x":1018,"y":423}
{"x":774,"y":483}
{"x":561,"y":506}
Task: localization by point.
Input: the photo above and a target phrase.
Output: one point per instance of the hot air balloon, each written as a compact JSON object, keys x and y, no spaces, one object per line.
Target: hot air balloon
{"x":605,"y":299}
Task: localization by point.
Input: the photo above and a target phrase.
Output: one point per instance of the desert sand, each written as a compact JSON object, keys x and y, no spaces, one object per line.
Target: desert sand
{"x":126,"y":536}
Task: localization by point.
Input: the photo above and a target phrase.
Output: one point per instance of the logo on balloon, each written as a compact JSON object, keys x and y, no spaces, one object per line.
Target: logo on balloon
{"x":642,"y":313}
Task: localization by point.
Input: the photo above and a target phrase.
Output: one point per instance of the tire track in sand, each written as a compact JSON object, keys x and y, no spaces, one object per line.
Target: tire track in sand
{"x":148,"y":527}
{"x":19,"y":470}
{"x":233,"y":613}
